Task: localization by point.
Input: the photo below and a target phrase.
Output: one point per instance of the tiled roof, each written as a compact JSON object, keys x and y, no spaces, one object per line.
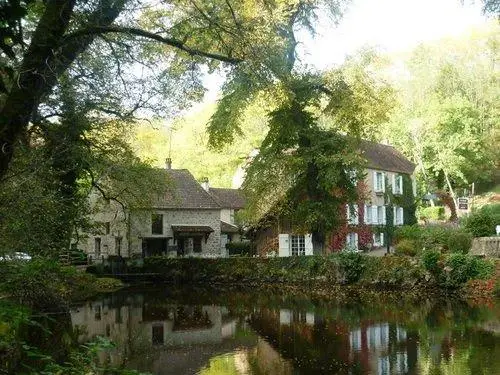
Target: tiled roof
{"x":386,"y":158}
{"x":184,"y":192}
{"x":228,"y":198}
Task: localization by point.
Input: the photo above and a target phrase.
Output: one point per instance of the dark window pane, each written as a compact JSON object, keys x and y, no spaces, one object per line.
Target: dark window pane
{"x":107,"y":227}
{"x":157,"y":224}
{"x":197,"y":244}
{"x":157,"y":333}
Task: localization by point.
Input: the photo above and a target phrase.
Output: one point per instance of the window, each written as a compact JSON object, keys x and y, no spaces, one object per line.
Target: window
{"x":157,"y":334}
{"x":157,"y":224}
{"x":107,"y":227}
{"x":378,"y":239}
{"x":298,"y":245}
{"x":352,"y":214}
{"x":397,"y":184}
{"x":197,"y":244}
{"x":97,"y":247}
{"x":381,"y":214}
{"x":118,"y":246}
{"x":379,"y":182}
{"x":400,"y":216}
{"x":368,"y":214}
{"x":352,"y":241}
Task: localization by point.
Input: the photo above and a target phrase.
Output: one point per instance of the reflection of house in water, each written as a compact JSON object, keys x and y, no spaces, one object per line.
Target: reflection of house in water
{"x":384,"y":348}
{"x":320,"y":344}
{"x":159,"y":337}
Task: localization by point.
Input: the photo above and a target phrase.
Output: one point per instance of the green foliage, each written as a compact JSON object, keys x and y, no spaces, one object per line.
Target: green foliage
{"x":43,"y":284}
{"x":431,"y":213}
{"x":406,"y":247}
{"x":439,"y":237}
{"x":459,"y":241}
{"x":447,"y":114}
{"x":430,"y":260}
{"x":240,"y":248}
{"x":352,"y":265}
{"x":482,"y":222}
{"x":459,"y":268}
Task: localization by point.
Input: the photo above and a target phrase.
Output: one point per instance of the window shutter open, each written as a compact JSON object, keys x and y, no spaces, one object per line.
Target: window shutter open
{"x":383,"y":215}
{"x":375,"y":186}
{"x":394,"y":182}
{"x":356,"y":214}
{"x":374,"y":214}
{"x":367,"y":214}
{"x":284,"y":245}
{"x":381,"y":239}
{"x":383,"y":182}
{"x":308,"y":244}
{"x":395,"y":215}
{"x":356,"y":241}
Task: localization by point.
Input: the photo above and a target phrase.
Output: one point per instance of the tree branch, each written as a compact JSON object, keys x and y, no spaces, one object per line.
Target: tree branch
{"x":98,"y":30}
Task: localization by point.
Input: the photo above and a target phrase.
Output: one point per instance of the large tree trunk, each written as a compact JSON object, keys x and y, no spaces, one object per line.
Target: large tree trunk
{"x":31,"y":81}
{"x":47,"y":58}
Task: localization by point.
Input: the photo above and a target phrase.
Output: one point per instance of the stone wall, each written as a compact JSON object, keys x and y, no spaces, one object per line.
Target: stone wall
{"x":488,"y":246}
{"x":140,"y":226}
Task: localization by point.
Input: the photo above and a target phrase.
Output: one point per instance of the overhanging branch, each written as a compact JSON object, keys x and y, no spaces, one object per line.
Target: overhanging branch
{"x":97,"y":30}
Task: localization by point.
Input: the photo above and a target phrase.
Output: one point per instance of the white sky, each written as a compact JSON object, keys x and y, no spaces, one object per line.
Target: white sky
{"x":390,"y":25}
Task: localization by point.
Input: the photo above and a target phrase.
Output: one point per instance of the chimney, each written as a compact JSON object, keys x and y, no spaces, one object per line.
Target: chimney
{"x":204,"y":184}
{"x":168,"y":163}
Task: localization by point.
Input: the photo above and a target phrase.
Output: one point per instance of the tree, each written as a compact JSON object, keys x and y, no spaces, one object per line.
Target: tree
{"x":51,"y":38}
{"x":447,"y":116}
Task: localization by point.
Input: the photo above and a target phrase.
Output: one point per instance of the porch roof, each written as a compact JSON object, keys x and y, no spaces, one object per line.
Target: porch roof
{"x":201,"y":229}
{"x":228,"y":228}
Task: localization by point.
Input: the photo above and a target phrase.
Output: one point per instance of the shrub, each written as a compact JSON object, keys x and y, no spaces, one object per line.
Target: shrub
{"x":432,"y":213}
{"x":459,"y":241}
{"x":408,"y":232}
{"x":430,"y":260}
{"x":482,"y":223}
{"x":352,"y":265}
{"x":407,"y":247}
{"x":461,"y":268}
{"x":240,"y":248}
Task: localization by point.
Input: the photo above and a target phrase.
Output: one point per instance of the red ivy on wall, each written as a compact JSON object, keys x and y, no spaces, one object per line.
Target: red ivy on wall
{"x":337,"y":239}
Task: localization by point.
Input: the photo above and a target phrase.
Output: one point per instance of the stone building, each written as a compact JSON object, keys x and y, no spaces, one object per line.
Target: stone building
{"x":185,"y":220}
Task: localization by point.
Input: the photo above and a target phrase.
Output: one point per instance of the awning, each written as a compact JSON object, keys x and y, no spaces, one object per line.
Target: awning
{"x":191,"y":230}
{"x":228,"y":228}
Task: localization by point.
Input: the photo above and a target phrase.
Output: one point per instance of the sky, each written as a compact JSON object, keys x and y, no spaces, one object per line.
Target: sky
{"x":390,"y":25}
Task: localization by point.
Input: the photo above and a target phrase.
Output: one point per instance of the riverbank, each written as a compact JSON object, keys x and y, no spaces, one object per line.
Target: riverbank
{"x":432,"y":273}
{"x":35,"y":298}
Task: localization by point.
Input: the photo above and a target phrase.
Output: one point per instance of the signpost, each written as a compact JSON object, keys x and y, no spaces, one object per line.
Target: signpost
{"x":463,"y":203}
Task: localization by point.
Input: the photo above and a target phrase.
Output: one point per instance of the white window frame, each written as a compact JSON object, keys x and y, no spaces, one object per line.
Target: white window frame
{"x":397,"y":184}
{"x":352,"y":215}
{"x":378,"y":239}
{"x":381,"y":216}
{"x":368,"y":214}
{"x":349,"y":240}
{"x":297,"y":245}
{"x":376,"y":187}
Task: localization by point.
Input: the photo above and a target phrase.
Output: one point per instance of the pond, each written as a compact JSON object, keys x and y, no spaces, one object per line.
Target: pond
{"x":206,"y":331}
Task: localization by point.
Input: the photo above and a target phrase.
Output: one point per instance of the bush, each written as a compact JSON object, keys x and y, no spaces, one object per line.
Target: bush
{"x":460,"y":268}
{"x":352,"y":266}
{"x":407,"y":247}
{"x":482,"y":223}
{"x":430,"y":260}
{"x":432,"y":213}
{"x":459,"y":241}
{"x":240,"y":248}
{"x":439,"y":237}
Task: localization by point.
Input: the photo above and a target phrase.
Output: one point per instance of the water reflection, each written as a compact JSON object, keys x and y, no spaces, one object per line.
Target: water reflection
{"x":164,"y":334}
